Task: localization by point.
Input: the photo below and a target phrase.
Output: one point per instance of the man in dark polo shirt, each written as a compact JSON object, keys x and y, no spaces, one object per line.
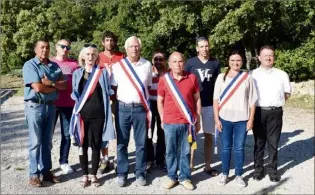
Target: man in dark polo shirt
{"x":207,"y":69}
{"x":42,"y":78}
{"x":175,"y":124}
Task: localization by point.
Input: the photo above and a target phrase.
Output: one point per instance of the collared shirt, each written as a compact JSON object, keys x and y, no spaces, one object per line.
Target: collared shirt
{"x":272,"y":84}
{"x":67,"y":66}
{"x":33,"y":72}
{"x":187,"y":86}
{"x":126,"y":92}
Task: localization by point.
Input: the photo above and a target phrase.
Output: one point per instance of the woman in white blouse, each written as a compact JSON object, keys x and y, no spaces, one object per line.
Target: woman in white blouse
{"x":234,"y":108}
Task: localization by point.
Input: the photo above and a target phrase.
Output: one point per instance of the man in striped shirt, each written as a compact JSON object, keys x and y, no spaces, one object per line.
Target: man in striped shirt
{"x":158,"y":69}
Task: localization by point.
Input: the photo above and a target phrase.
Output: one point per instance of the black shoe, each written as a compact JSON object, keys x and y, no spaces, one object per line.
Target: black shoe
{"x":274,"y":177}
{"x":258,"y":176}
{"x":51,"y":177}
{"x":150,"y":165}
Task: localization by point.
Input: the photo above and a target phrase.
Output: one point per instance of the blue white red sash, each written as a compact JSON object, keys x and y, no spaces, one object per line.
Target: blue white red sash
{"x":227,"y":94}
{"x":232,"y":87}
{"x":183,"y":107}
{"x":140,"y":88}
{"x":76,"y":123}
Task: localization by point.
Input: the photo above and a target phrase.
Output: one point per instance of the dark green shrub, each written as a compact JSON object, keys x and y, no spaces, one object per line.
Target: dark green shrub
{"x":298,"y":63}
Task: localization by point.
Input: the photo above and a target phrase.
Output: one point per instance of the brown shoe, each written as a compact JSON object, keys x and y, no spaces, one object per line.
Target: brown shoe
{"x":35,"y":182}
{"x":51,"y":178}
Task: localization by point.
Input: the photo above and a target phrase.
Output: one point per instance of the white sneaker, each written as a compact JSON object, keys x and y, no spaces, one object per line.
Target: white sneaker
{"x":222,"y":180}
{"x":66,"y":169}
{"x":239,"y":181}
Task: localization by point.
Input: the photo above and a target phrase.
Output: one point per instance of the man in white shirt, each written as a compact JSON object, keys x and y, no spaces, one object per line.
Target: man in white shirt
{"x":273,"y":87}
{"x":130,"y":110}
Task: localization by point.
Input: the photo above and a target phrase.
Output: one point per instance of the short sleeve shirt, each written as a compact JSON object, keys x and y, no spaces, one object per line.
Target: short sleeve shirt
{"x":33,"y":72}
{"x":68,"y":67}
{"x":126,"y":92}
{"x":207,"y":74}
{"x":105,"y":60}
{"x":272,"y":84}
{"x":187,"y":86}
{"x":237,"y":108}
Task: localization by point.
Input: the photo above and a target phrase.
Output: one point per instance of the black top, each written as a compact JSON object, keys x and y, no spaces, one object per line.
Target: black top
{"x":207,"y":74}
{"x":94,"y":106}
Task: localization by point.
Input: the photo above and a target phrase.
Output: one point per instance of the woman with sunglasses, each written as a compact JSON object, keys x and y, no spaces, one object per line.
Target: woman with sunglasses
{"x":234,"y":109}
{"x":158,"y":69}
{"x":91,"y":121}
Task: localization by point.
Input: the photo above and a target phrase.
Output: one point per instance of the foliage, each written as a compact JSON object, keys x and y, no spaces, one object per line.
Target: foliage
{"x":163,"y":25}
{"x":298,"y":62}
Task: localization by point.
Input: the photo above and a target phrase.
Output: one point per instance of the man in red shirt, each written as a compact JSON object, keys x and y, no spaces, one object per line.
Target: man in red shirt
{"x":106,"y":59}
{"x":175,"y":124}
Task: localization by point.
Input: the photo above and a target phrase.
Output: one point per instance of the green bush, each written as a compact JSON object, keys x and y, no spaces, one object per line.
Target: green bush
{"x":298,"y":63}
{"x":14,"y":61}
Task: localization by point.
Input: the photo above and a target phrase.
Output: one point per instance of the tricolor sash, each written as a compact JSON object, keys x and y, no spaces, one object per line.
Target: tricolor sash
{"x":140,"y":88}
{"x":183,"y":107}
{"x":76,"y":124}
{"x":228,"y":93}
{"x":232,"y":87}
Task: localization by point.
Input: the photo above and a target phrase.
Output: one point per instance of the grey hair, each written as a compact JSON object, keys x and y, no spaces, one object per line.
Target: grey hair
{"x":83,"y":52}
{"x":129,"y":39}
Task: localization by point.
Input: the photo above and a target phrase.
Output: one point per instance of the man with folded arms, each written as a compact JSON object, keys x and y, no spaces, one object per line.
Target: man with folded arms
{"x":42,"y":78}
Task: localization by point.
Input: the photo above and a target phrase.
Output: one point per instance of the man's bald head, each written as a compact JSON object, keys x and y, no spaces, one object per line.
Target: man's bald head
{"x":176,"y":62}
{"x":176,"y":54}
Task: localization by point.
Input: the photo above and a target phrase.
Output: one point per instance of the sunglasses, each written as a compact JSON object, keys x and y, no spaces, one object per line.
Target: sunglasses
{"x":64,"y":46}
{"x":90,"y":45}
{"x":158,"y":59}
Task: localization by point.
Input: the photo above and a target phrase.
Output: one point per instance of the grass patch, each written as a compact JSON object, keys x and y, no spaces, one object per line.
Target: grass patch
{"x":13,"y":82}
{"x":301,"y":101}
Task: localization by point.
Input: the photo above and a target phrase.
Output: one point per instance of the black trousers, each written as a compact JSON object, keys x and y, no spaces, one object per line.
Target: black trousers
{"x":267,"y":128}
{"x":160,"y":144}
{"x":93,"y":129}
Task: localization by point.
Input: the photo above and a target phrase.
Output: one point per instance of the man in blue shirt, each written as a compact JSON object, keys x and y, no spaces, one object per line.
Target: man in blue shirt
{"x":206,"y":68}
{"x":42,"y":78}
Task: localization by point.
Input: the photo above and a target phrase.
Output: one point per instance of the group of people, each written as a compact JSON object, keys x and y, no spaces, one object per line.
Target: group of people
{"x":104,"y":95}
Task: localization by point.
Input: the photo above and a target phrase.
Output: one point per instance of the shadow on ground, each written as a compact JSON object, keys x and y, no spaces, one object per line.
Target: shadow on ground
{"x":289,"y":156}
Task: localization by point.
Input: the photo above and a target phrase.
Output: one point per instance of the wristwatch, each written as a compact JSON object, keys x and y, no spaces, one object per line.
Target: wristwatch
{"x":53,"y":84}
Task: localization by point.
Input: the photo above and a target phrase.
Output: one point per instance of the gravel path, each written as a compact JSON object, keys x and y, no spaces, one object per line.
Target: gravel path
{"x":296,"y":162}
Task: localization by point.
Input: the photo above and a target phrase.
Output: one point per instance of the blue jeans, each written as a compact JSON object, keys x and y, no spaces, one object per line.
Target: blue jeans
{"x":65,"y":114}
{"x":128,"y":115}
{"x":40,"y":119}
{"x":233,"y":133}
{"x":177,"y":151}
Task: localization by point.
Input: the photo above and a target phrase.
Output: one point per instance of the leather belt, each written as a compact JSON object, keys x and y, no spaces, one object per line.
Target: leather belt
{"x":48,"y":102}
{"x":269,"y":108}
{"x":130,"y":104}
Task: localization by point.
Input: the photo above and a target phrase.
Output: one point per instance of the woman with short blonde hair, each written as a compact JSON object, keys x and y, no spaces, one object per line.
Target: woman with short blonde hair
{"x":91,"y":122}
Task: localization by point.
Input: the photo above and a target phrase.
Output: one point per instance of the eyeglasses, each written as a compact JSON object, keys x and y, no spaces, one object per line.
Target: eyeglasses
{"x":65,"y":46}
{"x":90,"y":45}
{"x":158,"y":59}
